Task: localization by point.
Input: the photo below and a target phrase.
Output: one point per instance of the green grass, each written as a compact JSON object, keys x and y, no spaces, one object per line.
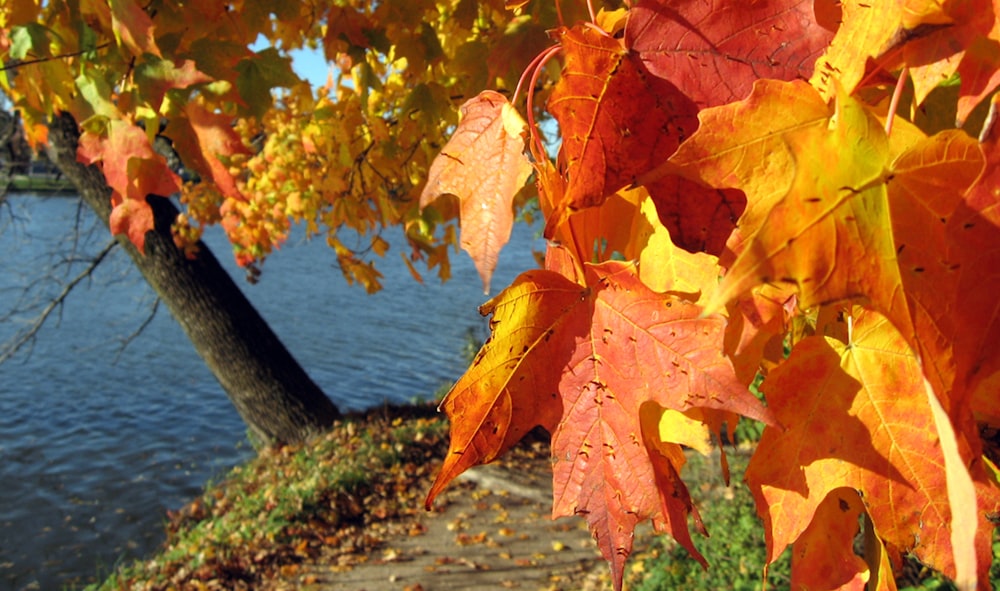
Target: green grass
{"x":40,"y":184}
{"x":274,"y":510}
{"x":735,"y":549}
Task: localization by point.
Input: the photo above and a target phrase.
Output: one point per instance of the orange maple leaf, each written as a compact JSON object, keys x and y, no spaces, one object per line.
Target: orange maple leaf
{"x":823,"y":555}
{"x":513,"y":383}
{"x":622,"y":105}
{"x":133,"y":27}
{"x":842,"y":211}
{"x":640,"y":347}
{"x":588,"y":357}
{"x":484,"y":165}
{"x":714,"y":52}
{"x":927,"y":189}
{"x":857,"y":415}
{"x":726,"y":151}
{"x":928,"y":36}
{"x":972,"y":241}
{"x":934,"y":46}
{"x":133,"y":218}
{"x":118,"y":148}
{"x":133,"y":171}
{"x":833,"y":210}
{"x":979,"y":71}
{"x":204,"y":140}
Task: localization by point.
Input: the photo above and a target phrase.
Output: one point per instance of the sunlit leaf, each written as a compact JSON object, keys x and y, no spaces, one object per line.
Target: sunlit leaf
{"x":580,"y":347}
{"x":133,"y":171}
{"x":715,"y":51}
{"x":605,"y":91}
{"x":857,"y":415}
{"x":483,"y":164}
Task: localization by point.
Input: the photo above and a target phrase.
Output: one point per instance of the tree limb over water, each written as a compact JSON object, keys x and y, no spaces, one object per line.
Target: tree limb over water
{"x":26,"y":337}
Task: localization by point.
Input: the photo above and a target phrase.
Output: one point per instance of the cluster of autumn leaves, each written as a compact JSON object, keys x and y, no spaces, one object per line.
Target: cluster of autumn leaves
{"x":265,"y":148}
{"x":786,"y":188}
{"x":775,"y":187}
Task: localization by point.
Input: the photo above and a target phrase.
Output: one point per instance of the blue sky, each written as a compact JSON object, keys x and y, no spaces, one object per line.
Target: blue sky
{"x":311,"y":65}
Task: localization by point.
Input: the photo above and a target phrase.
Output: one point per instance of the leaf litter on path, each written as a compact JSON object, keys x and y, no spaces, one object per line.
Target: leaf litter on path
{"x":490,"y":530}
{"x":346,"y":512}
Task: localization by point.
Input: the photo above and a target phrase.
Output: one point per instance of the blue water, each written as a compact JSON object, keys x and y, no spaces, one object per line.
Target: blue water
{"x":98,"y":440}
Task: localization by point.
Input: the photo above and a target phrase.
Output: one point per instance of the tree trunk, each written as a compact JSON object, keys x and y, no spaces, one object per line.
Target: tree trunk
{"x":274,"y":395}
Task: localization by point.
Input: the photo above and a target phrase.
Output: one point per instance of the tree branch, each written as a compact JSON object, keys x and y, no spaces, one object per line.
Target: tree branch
{"x":138,"y":331}
{"x":27,"y":336}
{"x":15,"y":64}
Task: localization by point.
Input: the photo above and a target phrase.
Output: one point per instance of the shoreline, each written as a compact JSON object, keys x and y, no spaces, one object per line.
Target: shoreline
{"x":40,"y":185}
{"x":276,"y":511}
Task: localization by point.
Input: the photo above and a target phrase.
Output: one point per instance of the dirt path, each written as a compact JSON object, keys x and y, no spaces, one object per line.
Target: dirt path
{"x":491,"y":530}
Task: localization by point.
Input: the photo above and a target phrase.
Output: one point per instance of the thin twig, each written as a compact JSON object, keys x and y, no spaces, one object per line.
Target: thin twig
{"x":532,"y":127}
{"x":126,"y":341}
{"x":39,"y":60}
{"x":12,"y":347}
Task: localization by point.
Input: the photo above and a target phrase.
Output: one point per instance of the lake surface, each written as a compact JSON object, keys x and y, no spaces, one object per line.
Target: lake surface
{"x":98,"y":440}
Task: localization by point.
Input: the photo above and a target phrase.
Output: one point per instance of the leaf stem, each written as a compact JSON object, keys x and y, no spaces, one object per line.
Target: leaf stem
{"x":542,"y":60}
{"x":894,"y":103}
{"x":524,"y":75}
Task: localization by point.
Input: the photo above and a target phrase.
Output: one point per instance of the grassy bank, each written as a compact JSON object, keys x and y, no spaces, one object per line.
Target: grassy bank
{"x":265,"y":517}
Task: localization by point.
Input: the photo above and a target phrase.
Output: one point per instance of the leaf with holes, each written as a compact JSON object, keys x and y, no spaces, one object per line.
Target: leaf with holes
{"x":600,"y":447}
{"x":483,"y":164}
{"x":857,"y":415}
{"x":715,"y":51}
{"x":617,"y":120}
{"x":567,"y":357}
{"x":848,"y":213}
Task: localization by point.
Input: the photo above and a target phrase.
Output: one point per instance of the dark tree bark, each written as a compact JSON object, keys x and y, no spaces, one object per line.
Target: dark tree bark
{"x":14,"y":150}
{"x":8,"y":126}
{"x":274,"y":395}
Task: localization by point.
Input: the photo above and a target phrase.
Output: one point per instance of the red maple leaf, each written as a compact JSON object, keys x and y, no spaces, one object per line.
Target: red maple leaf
{"x":715,"y":51}
{"x":617,"y":120}
{"x":133,"y":171}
